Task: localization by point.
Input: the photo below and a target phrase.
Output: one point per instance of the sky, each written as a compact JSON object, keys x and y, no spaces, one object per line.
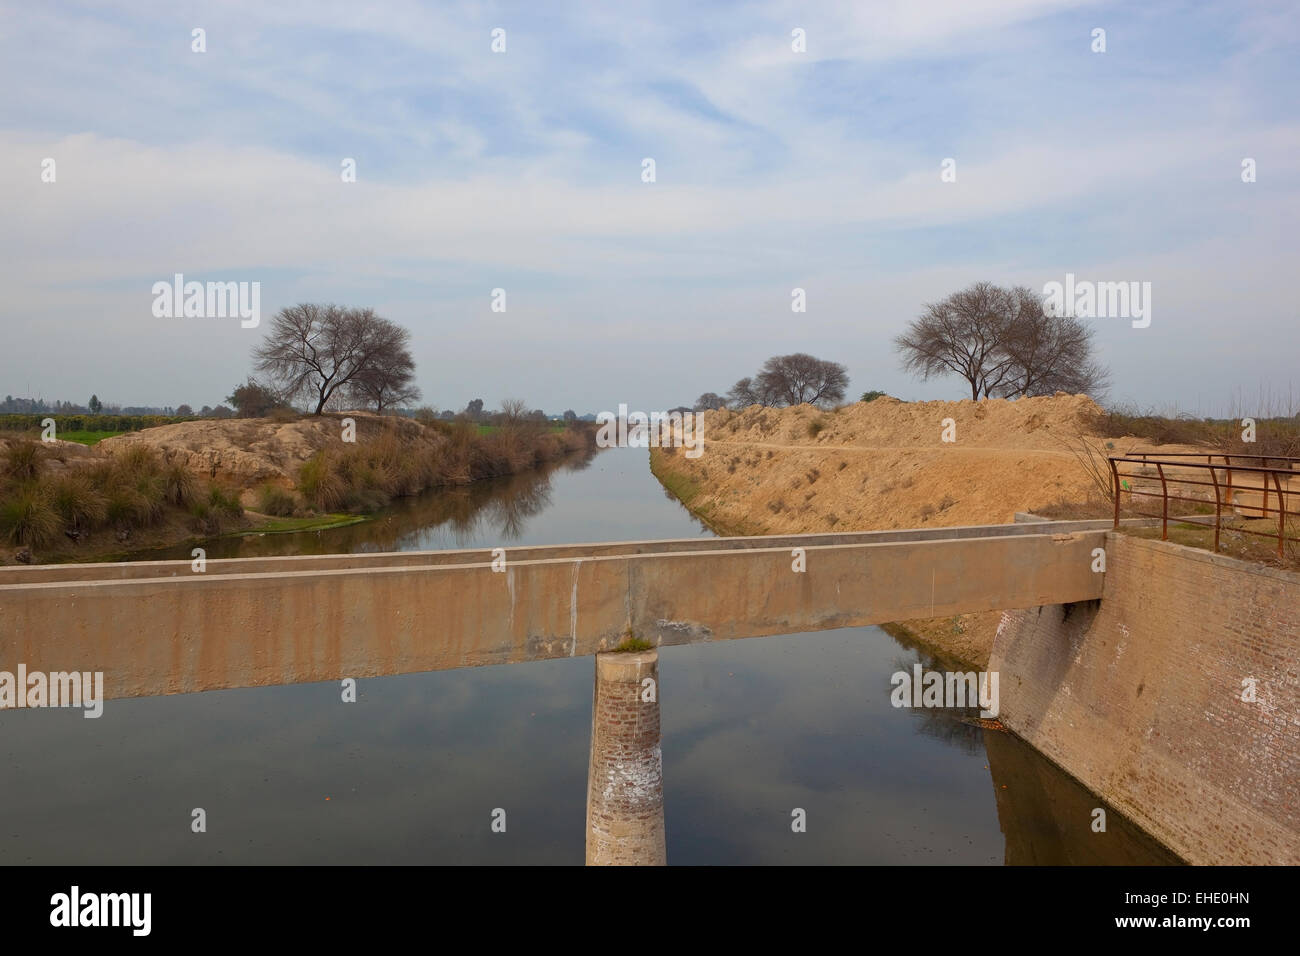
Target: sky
{"x":522,"y":170}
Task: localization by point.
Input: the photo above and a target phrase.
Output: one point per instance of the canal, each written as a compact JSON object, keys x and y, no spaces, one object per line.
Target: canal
{"x":413,"y":771}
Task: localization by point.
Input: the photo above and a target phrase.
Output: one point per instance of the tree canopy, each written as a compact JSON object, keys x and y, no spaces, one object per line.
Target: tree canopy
{"x":320,"y":351}
{"x":1003,"y":343}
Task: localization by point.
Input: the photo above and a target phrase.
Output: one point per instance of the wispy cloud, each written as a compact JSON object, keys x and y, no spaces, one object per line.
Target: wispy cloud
{"x":522,"y":170}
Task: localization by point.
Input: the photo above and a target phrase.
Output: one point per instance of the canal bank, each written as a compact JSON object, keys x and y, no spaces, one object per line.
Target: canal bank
{"x":1174,"y":698}
{"x":412,"y":771}
{"x":965,"y":640}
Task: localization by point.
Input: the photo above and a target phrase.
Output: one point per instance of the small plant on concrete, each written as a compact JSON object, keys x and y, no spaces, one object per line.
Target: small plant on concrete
{"x":631,"y":644}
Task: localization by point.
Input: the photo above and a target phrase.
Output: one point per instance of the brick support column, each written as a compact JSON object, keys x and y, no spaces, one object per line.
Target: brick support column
{"x":625,"y":796}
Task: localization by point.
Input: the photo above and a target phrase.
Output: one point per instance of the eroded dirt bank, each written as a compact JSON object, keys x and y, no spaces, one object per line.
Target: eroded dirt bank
{"x":195,"y":480}
{"x":886,"y":464}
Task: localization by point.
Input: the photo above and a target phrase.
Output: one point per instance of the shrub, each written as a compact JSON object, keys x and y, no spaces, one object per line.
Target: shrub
{"x":213,"y":514}
{"x":23,"y":460}
{"x":815,"y":428}
{"x":226,"y":502}
{"x":127,"y":508}
{"x":77,"y":501}
{"x":136,"y":461}
{"x":274,"y":500}
{"x":27,"y":517}
{"x":320,"y":484}
{"x":180,"y":486}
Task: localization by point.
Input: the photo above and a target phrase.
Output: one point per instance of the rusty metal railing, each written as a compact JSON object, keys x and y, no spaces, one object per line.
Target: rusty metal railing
{"x":1261,"y":477}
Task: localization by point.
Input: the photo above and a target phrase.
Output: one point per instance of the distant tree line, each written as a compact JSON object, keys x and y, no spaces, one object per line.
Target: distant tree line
{"x":784,"y":380}
{"x":1003,"y":342}
{"x":85,"y":422}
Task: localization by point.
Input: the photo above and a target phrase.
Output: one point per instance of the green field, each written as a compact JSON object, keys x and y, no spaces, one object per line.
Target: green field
{"x":84,"y":437}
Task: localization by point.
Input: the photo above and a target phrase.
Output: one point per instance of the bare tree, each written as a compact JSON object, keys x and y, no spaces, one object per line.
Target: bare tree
{"x":1048,"y":354}
{"x":709,"y":401}
{"x":963,"y":334}
{"x":389,"y":380}
{"x":513,"y":411}
{"x":324,"y":350}
{"x":743,"y":394}
{"x":800,"y":379}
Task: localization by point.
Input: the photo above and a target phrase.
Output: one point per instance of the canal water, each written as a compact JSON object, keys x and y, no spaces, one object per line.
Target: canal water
{"x":415,"y":770}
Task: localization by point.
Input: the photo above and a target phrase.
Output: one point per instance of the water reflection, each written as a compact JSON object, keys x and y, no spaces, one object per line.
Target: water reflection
{"x":497,"y":510}
{"x":412,"y":772}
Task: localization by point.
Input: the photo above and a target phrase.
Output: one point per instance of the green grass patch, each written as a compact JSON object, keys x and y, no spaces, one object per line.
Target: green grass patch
{"x":292,"y":525}
{"x":85,"y":437}
{"x":631,"y":645}
{"x":684,"y":488}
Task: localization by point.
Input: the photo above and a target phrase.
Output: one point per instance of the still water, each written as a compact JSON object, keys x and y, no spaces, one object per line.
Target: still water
{"x":412,"y":772}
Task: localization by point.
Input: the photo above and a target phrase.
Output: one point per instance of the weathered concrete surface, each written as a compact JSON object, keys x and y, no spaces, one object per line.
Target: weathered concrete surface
{"x":1139,"y":697}
{"x":625,"y":778}
{"x":105,"y":571}
{"x":179,"y":634}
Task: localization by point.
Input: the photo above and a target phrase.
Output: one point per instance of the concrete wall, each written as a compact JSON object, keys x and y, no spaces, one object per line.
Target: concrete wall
{"x":1138,"y":696}
{"x":133,"y":570}
{"x":198,"y":631}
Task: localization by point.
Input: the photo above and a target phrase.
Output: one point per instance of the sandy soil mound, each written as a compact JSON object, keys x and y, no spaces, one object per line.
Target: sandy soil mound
{"x":884,"y":464}
{"x":247,"y":451}
{"x":1030,"y":423}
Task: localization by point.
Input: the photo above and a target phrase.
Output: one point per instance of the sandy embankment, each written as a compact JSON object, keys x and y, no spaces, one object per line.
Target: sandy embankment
{"x":239,"y":455}
{"x":244,"y":453}
{"x":883,"y":464}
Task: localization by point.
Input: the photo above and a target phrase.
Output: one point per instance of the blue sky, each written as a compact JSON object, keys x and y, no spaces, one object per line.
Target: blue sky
{"x":521,"y":170}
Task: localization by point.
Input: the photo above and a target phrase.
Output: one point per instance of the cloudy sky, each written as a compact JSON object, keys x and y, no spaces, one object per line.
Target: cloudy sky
{"x":522,"y":170}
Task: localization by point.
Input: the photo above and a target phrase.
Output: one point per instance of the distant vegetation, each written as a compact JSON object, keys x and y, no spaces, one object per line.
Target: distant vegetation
{"x":366,"y":476}
{"x":790,"y":380}
{"x":1274,"y":435}
{"x":87,"y":437}
{"x":85,"y":423}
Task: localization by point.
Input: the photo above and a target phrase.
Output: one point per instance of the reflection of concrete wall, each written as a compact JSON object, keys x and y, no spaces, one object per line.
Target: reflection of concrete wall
{"x":171,"y":630}
{"x":1139,"y":697}
{"x":1046,"y":816}
{"x":625,"y":780}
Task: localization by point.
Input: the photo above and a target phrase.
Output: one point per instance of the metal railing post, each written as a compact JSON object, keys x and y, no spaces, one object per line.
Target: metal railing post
{"x":1164,"y":503}
{"x":1218,"y":510}
{"x":1114,"y":472}
{"x":1281,"y":513}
